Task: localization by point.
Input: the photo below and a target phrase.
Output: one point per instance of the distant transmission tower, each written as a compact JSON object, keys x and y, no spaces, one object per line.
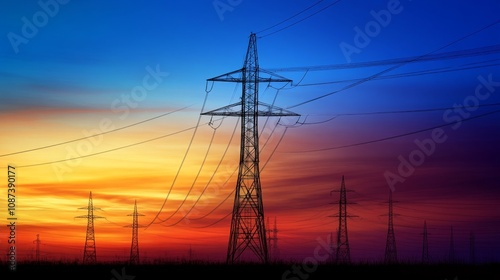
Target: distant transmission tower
{"x":37,"y":248}
{"x":451,"y":254}
{"x":342,"y":252}
{"x":134,"y":248}
{"x":472,"y":252}
{"x":391,"y":255}
{"x":273,"y":240}
{"x":333,"y":246}
{"x":425,"y":246}
{"x":89,"y":252}
{"x":248,"y":233}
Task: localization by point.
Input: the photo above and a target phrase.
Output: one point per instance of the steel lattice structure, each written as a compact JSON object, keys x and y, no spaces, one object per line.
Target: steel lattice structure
{"x":452,"y":258}
{"x":425,"y":246}
{"x":89,"y":252}
{"x":134,"y":247}
{"x":391,"y":255}
{"x":37,"y":248}
{"x":247,"y":232}
{"x":342,"y":250}
{"x":274,"y":252}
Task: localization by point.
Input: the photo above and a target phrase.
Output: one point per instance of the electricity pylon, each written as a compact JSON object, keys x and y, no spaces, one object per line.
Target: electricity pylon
{"x":391,"y":255}
{"x":333,"y":246}
{"x":425,"y":246}
{"x":451,"y":254}
{"x":273,"y":240}
{"x":342,"y":250}
{"x":472,"y":252}
{"x":89,"y":252}
{"x":134,"y":248}
{"x":247,"y":232}
{"x":37,"y":248}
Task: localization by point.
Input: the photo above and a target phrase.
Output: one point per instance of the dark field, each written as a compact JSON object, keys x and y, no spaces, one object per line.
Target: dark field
{"x":290,"y":271}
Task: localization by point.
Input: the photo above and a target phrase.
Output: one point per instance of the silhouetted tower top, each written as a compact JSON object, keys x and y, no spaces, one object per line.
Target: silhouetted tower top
{"x":134,"y":248}
{"x":247,"y":237}
{"x":89,"y":252}
{"x":391,"y":255}
{"x":342,"y":250}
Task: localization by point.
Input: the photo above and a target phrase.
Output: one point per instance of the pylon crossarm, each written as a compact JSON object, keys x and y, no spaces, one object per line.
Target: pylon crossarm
{"x":227,"y":77}
{"x":271,"y":110}
{"x":277,"y":78}
{"x":226,"y":110}
{"x":264,"y":110}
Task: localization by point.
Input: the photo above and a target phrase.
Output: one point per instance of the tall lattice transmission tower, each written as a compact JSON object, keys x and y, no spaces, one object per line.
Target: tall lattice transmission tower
{"x":425,"y":246}
{"x":89,"y":251}
{"x":391,"y":255}
{"x":134,"y":247}
{"x":272,"y":238}
{"x":37,"y":241}
{"x":247,"y":237}
{"x":342,"y":250}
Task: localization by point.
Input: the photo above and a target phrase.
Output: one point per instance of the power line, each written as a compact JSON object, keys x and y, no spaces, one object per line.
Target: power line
{"x":392,"y":137}
{"x":110,"y":150}
{"x":234,"y":171}
{"x":298,"y":124}
{"x":211,"y":178}
{"x":325,"y":95}
{"x":407,"y":74}
{"x":486,"y":50}
{"x":182,"y":162}
{"x":195,"y":179}
{"x":288,"y":26}
{"x":392,"y":68}
{"x":93,"y":135}
{"x":194,"y":127}
{"x":283,"y":21}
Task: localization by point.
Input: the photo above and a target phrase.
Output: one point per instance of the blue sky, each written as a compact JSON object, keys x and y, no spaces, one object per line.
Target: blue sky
{"x":106,"y":46}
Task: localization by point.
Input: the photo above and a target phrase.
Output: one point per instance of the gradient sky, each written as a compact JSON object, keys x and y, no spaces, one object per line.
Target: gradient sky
{"x":72,"y":69}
